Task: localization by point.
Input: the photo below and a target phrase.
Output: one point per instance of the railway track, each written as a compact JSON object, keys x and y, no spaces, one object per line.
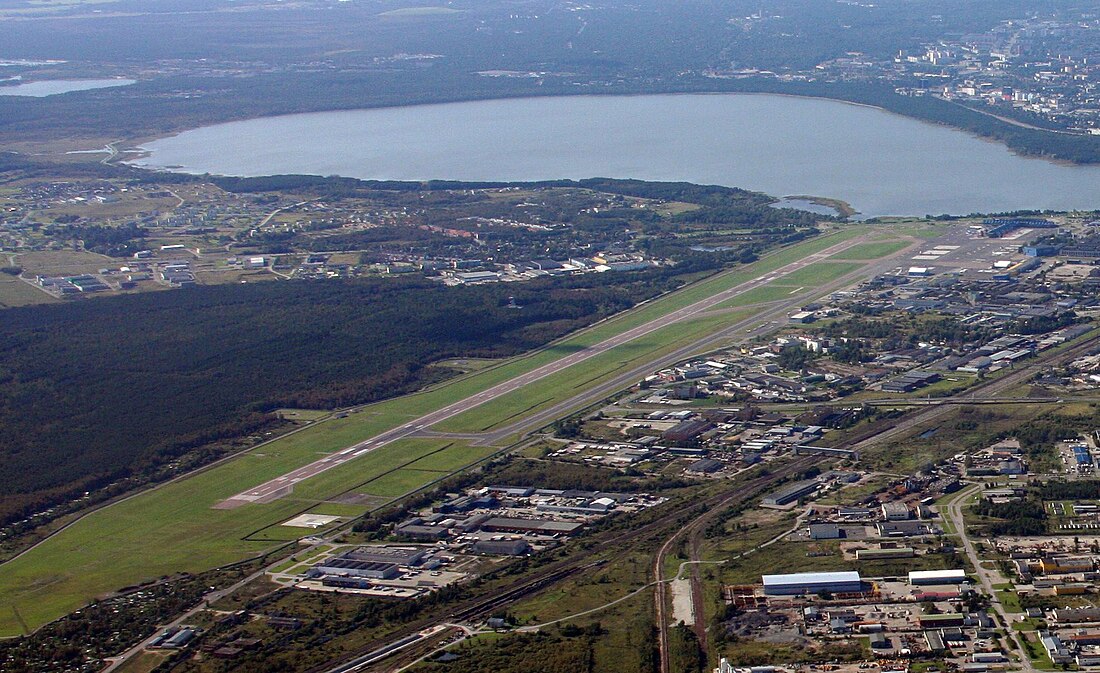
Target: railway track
{"x":987,"y":392}
{"x":692,"y":530}
{"x":556,"y":572}
{"x":553,"y":573}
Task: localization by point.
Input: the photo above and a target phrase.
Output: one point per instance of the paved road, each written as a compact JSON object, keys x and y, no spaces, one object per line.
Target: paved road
{"x":987,"y":578}
{"x":281,"y":486}
{"x":982,"y":393}
{"x":208,"y":599}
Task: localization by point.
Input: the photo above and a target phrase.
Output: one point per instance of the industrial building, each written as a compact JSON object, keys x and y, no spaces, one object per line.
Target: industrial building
{"x":825,"y":531}
{"x":910,"y":381}
{"x":686,"y":431}
{"x":792,"y":493}
{"x":502,"y":547}
{"x":925,"y":577}
{"x":881,"y":554}
{"x":704,"y":466}
{"x":996,"y":227}
{"x":403,"y":556}
{"x":812,"y":583}
{"x":500,"y":524}
{"x":896,"y":511}
{"x":353,"y":568}
{"x":940,"y":621}
{"x":1065,"y":565}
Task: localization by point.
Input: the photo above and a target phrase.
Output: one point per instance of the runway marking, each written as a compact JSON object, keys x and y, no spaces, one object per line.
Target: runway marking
{"x":277,"y":487}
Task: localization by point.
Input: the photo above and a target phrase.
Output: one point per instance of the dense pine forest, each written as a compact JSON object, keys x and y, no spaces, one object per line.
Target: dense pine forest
{"x":91,"y":392}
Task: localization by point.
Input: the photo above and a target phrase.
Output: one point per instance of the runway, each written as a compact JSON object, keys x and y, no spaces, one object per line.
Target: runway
{"x":284,"y":485}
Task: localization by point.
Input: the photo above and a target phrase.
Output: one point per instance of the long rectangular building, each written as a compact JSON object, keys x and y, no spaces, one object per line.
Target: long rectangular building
{"x":925,"y":577}
{"x":792,"y":493}
{"x":812,"y":583}
{"x":535,"y":526}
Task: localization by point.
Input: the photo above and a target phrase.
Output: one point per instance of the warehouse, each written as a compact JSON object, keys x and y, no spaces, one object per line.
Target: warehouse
{"x":880,"y":554}
{"x":686,"y":431}
{"x":825,"y":531}
{"x":704,"y":466}
{"x":502,"y":547}
{"x":940,"y":621}
{"x":351,"y":568}
{"x":791,"y":493}
{"x":924,"y":577}
{"x":402,"y":556}
{"x":499,"y":524}
{"x":879,"y":641}
{"x":812,"y":583}
{"x":896,"y":511}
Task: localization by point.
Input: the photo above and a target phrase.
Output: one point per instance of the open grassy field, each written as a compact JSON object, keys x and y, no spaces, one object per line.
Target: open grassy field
{"x":765,"y":293}
{"x":871,"y":250}
{"x":921,"y":228}
{"x":143,"y":663}
{"x":821,"y":273}
{"x":562,"y":384}
{"x":62,"y":262}
{"x":301,"y":415}
{"x":173,"y":528}
{"x":14,"y":292}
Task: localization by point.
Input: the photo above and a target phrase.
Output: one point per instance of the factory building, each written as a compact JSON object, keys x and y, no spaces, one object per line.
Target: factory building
{"x":825,"y":531}
{"x":792,"y":493}
{"x":403,"y":556}
{"x":1064,"y":565}
{"x":502,"y":547}
{"x":896,"y":511}
{"x":926,"y":577}
{"x":499,"y":524}
{"x":812,"y":583}
{"x":879,"y":554}
{"x":352,"y":568}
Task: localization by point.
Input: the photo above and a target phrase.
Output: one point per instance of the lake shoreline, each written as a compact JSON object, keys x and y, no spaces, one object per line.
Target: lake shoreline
{"x":879,"y":162}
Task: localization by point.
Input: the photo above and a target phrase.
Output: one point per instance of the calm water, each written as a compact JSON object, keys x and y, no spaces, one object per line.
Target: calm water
{"x":805,"y":204}
{"x":55,"y":86}
{"x":881,"y":163}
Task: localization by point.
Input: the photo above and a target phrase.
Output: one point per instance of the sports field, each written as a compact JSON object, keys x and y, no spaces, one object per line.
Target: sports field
{"x":174,"y":527}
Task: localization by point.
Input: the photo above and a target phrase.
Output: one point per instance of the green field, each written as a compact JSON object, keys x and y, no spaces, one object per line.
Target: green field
{"x":173,"y":528}
{"x":820,"y":273}
{"x":871,"y":250}
{"x":14,"y":292}
{"x":763,"y":294}
{"x":562,"y":384}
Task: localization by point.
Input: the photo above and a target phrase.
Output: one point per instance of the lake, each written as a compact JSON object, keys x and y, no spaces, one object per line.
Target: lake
{"x":53,"y":87}
{"x":881,"y":163}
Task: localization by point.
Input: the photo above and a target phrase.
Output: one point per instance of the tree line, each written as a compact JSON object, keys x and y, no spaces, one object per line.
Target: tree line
{"x":94,"y":392}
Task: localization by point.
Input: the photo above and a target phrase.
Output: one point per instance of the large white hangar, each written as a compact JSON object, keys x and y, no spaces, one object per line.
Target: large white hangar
{"x":812,"y":583}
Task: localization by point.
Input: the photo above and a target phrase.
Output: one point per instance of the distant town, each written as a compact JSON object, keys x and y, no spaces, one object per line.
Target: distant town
{"x":1036,"y":70}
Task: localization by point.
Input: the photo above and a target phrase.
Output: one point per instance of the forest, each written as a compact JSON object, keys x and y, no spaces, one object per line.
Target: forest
{"x":92,"y":392}
{"x":1024,"y":517}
